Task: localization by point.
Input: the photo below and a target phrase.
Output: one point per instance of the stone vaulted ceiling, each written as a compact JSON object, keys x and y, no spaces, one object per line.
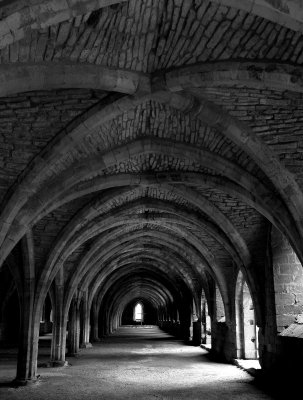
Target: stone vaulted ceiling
{"x":146,"y":145}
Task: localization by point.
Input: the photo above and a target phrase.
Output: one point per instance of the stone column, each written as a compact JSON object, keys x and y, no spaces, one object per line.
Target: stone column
{"x":59,"y":330}
{"x":29,"y":337}
{"x":74,"y":329}
{"x":86,"y":322}
{"x":29,"y":317}
{"x":95,"y":324}
{"x":185,"y":323}
{"x":101,"y":325}
{"x":196,"y":332}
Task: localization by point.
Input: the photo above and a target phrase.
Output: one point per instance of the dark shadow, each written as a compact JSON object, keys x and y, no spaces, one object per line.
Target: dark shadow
{"x":9,"y":384}
{"x":276,"y":388}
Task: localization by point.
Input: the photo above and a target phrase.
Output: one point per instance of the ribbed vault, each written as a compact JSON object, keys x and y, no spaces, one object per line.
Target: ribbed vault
{"x":147,"y":150}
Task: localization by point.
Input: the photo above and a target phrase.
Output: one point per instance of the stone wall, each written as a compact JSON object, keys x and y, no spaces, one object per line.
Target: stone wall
{"x":288,"y":281}
{"x":281,"y":353}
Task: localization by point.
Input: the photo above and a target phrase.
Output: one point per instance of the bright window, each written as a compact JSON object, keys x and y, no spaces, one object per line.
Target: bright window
{"x":138,"y":312}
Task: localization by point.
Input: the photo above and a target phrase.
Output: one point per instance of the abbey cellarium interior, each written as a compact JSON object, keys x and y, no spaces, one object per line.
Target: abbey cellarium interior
{"x":151,"y":177}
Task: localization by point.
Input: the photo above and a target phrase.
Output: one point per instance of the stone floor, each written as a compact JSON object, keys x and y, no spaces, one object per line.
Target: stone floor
{"x":134,"y":363}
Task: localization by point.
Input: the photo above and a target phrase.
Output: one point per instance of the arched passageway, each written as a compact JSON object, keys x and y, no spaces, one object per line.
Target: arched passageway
{"x":149,"y":151}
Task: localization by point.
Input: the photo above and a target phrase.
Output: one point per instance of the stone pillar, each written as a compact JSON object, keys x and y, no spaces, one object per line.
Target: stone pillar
{"x":30,"y":315}
{"x":115,"y":323}
{"x":185,"y":323}
{"x":29,"y":336}
{"x":59,"y":330}
{"x":94,"y":334}
{"x":86,"y":322}
{"x":196,"y":333}
{"x":74,"y":329}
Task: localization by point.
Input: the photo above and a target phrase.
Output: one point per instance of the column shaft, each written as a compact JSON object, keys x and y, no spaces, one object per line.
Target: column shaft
{"x":29,"y":336}
{"x":59,"y":330}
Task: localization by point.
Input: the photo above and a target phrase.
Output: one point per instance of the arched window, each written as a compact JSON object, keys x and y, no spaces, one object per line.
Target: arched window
{"x":138,"y":312}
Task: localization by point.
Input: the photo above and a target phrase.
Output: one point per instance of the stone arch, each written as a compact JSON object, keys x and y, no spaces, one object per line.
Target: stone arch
{"x":62,"y":258}
{"x":253,"y":74}
{"x":26,"y":215}
{"x":50,"y":75}
{"x":193,"y":103}
{"x":113,"y":294}
{"x":90,"y":124}
{"x":164,"y":207}
{"x":111,"y":249}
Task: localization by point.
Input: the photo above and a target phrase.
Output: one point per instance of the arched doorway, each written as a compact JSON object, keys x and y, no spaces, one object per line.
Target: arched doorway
{"x":139,"y":313}
{"x":246,"y":328}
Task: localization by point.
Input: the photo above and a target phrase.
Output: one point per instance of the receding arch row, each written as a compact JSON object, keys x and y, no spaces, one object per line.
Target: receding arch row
{"x":123,"y":104}
{"x":91,"y":260}
{"x":64,"y":239}
{"x":274,"y":211}
{"x":170,"y":263}
{"x":119,"y":282}
{"x":64,"y":183}
{"x":117,"y":239}
{"x":12,"y":235}
{"x":10,"y":241}
{"x":94,"y":264}
{"x":113,"y":318}
{"x":119,"y":306}
{"x":113,"y":295}
{"x":119,"y":219}
{"x":213,"y":223}
{"x":143,"y":311}
{"x":143,"y":273}
{"x":93,"y":166}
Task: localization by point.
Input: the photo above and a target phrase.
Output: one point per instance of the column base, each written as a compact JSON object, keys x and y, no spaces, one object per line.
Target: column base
{"x":56,"y":364}
{"x":86,"y":345}
{"x":72,"y":355}
{"x":25,"y":382}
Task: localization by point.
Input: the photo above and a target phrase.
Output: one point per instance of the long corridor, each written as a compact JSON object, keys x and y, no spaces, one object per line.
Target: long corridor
{"x":137,"y":363}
